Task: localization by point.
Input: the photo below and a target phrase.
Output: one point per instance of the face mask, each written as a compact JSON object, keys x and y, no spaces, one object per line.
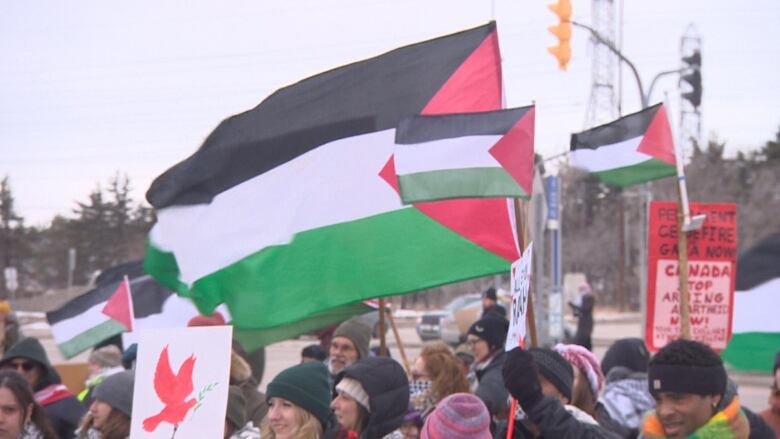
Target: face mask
{"x":417,"y":387}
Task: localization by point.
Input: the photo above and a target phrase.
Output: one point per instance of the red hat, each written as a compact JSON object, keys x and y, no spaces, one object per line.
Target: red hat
{"x":216,"y":319}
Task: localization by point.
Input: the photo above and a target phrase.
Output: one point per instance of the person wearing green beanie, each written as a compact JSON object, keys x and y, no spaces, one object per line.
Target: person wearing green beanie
{"x":298,"y":403}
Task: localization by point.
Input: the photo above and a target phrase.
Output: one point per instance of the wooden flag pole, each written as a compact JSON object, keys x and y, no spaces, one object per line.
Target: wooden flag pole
{"x":682,"y":263}
{"x":399,"y":343}
{"x":382,"y":341}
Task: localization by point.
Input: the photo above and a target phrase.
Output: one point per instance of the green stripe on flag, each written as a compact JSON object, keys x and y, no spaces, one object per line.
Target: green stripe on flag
{"x":458,"y":183}
{"x":91,"y":337}
{"x":752,"y":351}
{"x":652,"y":169}
{"x":392,"y":253}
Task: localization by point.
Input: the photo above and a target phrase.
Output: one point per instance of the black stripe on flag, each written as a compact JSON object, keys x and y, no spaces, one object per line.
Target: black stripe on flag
{"x":148,"y":299}
{"x":358,"y":98}
{"x":628,"y":127}
{"x":420,"y":129}
{"x":760,"y":264}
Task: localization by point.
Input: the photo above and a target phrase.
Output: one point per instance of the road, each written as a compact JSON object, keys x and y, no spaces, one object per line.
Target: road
{"x":753,"y":388}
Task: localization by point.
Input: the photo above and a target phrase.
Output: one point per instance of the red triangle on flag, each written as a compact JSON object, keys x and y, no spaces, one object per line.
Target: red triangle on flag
{"x":119,"y":306}
{"x":515,"y":151}
{"x":657,"y":141}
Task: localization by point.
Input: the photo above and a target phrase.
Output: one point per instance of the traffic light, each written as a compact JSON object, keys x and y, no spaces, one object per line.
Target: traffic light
{"x":562,"y":30}
{"x":693,"y":78}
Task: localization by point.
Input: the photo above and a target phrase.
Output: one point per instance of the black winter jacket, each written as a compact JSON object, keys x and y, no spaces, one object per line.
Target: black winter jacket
{"x":554,"y":422}
{"x":490,"y":388}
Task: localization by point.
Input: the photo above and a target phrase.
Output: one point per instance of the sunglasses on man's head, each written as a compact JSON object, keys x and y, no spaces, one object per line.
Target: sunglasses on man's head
{"x":24,"y":365}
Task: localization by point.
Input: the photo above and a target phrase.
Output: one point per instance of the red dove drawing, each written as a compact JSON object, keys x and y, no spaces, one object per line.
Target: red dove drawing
{"x":173,"y":391}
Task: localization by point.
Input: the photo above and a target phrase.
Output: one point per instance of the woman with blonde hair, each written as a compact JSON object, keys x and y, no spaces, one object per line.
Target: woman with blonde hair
{"x":298,"y":403}
{"x":436,"y":374}
{"x":111,"y":410}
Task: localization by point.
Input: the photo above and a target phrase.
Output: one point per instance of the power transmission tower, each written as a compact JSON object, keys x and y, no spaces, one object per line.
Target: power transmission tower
{"x":691,"y":89}
{"x":602,"y":106}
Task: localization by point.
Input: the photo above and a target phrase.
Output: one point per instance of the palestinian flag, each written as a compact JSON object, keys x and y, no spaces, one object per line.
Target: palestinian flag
{"x":631,"y":150}
{"x":466,"y":155}
{"x":756,"y":327}
{"x":292,"y":208}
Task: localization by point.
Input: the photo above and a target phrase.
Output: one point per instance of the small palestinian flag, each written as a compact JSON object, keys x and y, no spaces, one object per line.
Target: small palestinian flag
{"x":466,"y":155}
{"x":631,"y":150}
{"x":756,"y":328}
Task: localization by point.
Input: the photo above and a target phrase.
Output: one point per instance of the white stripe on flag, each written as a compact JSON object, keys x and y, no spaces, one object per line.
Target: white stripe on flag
{"x":444,"y":154}
{"x":332,"y":184}
{"x":604,"y":158}
{"x":65,"y":330}
{"x":755,"y":310}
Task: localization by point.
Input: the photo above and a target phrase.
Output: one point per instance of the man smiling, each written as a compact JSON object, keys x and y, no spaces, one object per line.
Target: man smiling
{"x":688,"y":381}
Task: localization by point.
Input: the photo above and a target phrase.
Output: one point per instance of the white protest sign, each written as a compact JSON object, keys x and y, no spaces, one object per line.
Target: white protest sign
{"x":181,"y":383}
{"x":520,"y":285}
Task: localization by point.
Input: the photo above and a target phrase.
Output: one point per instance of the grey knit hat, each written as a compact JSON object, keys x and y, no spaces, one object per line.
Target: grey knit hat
{"x":555,"y":369}
{"x":117,"y":391}
{"x":358,"y":332}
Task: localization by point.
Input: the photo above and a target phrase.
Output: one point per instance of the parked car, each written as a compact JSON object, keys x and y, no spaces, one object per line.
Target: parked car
{"x":429,"y":325}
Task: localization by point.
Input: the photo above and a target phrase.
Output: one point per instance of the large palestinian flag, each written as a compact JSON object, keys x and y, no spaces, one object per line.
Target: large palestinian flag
{"x":633,"y":149}
{"x":292,"y":208}
{"x":466,"y":155}
{"x":756,"y":327}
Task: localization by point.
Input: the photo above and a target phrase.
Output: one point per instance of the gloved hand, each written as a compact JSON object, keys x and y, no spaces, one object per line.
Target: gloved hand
{"x":520,"y":378}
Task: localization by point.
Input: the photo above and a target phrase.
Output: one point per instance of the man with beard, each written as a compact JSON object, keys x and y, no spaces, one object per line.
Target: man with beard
{"x":349,"y":344}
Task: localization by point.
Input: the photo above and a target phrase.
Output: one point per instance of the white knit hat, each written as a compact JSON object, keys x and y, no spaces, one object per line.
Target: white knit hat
{"x":354,"y":390}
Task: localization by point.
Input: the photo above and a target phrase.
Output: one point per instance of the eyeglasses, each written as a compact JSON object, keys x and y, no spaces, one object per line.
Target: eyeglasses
{"x":24,"y":365}
{"x":473,"y":341}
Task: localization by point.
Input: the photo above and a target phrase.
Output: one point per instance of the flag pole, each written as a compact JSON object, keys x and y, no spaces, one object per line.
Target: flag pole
{"x":382,"y":341}
{"x":399,"y":342}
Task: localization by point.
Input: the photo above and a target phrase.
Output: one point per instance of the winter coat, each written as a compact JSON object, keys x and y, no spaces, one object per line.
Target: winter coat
{"x":584,"y":314}
{"x":387,"y":386}
{"x":759,"y":429}
{"x":65,"y":410}
{"x":626,"y":398}
{"x":241,"y":376}
{"x":555,"y":421}
{"x":490,"y":385}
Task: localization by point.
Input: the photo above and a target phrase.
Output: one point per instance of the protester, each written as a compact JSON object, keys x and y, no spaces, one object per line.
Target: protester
{"x":102,"y":363}
{"x":625,"y":397}
{"x":255,"y":404}
{"x":459,"y":416}
{"x":584,"y":313}
{"x":772,"y":414}
{"x":22,"y":417}
{"x":588,"y":382}
{"x":412,"y":424}
{"x":541,"y":380}
{"x":491,"y":305}
{"x":63,"y":409}
{"x":236,"y":424}
{"x":313,"y":352}
{"x":299,"y":403}
{"x":371,"y":398}
{"x":436,"y":374}
{"x":486,"y":340}
{"x":349,"y":344}
{"x":688,"y":381}
{"x":110,"y":413}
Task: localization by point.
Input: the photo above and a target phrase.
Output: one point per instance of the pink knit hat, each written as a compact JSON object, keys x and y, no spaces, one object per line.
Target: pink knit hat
{"x":460,"y":415}
{"x":586,"y":362}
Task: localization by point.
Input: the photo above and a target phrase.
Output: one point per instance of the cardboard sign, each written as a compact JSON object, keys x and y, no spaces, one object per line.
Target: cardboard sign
{"x":520,"y":285}
{"x":712,"y":270}
{"x":181,"y":383}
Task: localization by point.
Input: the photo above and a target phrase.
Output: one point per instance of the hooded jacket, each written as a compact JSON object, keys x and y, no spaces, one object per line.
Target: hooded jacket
{"x":61,"y":406}
{"x":387,"y":386}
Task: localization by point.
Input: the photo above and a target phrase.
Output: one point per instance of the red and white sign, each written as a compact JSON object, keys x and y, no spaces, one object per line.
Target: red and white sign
{"x":712,"y":270}
{"x":521,"y":285}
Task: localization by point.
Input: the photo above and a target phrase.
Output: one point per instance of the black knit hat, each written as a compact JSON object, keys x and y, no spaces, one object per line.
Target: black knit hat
{"x":490,"y":293}
{"x":555,"y":369}
{"x":305,"y":385}
{"x":492,"y":329}
{"x":630,"y":353}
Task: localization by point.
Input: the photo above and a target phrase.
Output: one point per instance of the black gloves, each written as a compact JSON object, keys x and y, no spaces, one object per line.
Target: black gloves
{"x":520,"y":378}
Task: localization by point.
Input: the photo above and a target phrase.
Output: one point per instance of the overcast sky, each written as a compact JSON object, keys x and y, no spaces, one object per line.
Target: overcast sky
{"x":89,"y":88}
